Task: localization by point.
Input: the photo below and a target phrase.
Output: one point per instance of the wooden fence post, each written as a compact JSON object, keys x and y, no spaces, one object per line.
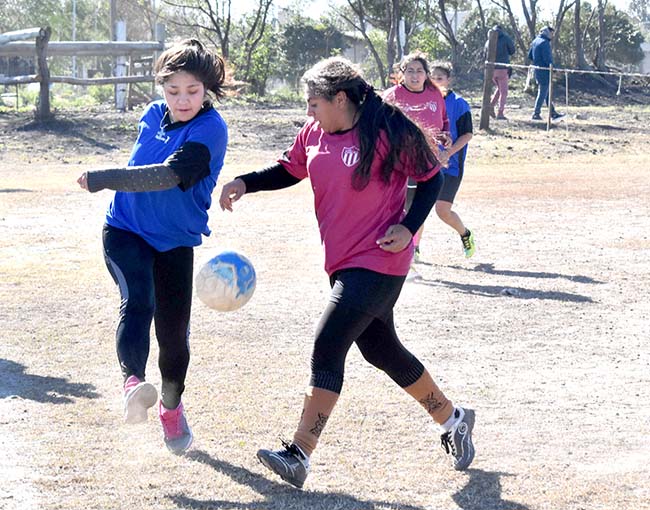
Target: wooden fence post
{"x":550,"y":97}
{"x":43,"y":109}
{"x":487,"y":79}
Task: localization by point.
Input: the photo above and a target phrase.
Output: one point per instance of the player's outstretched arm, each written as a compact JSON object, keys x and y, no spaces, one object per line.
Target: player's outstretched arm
{"x":231,"y":192}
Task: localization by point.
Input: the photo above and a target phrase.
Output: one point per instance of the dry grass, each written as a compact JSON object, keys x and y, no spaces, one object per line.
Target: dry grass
{"x":544,"y":333}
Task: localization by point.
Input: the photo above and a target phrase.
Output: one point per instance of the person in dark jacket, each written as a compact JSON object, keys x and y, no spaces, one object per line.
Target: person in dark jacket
{"x":501,"y":74}
{"x":542,"y":56}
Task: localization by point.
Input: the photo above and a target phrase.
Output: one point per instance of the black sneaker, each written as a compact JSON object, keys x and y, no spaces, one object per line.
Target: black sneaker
{"x":290,"y":463}
{"x":556,"y":115}
{"x":458,"y":441}
{"x":536,"y":116}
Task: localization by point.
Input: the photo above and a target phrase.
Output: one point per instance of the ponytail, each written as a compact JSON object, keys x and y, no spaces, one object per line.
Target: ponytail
{"x":407,"y":143}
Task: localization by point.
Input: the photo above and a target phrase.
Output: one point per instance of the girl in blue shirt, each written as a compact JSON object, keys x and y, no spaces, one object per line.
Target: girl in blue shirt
{"x":158,"y":214}
{"x":453,"y":158}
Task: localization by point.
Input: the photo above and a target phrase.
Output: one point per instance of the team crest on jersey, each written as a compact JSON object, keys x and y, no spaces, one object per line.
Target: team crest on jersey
{"x":160,"y":135}
{"x":350,"y":156}
{"x":433,"y":106}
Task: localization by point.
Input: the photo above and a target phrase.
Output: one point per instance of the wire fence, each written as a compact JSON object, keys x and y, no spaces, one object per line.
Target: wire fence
{"x":529,"y":69}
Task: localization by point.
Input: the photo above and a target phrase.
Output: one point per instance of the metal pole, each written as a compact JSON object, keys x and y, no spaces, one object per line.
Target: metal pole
{"x":550,"y":96}
{"x":74,"y":36}
{"x":120,"y":69}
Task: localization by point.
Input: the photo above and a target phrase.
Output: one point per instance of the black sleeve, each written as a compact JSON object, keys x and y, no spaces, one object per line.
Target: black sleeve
{"x":191,"y":163}
{"x":425,"y":197}
{"x":270,"y":178}
{"x":464,"y":124}
{"x":133,"y":178}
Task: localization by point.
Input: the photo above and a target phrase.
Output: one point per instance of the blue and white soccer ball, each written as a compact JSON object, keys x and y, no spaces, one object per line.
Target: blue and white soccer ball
{"x":226,"y":282}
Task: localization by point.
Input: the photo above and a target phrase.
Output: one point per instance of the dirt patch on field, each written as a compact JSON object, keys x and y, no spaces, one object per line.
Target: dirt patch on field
{"x":544,"y":332}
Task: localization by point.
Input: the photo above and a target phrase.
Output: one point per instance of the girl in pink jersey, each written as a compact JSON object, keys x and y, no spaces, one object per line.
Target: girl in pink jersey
{"x":358,"y":153}
{"x":421,"y":100}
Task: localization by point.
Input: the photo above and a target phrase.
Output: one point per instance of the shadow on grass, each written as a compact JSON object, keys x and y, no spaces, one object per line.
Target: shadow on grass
{"x":489,"y":269}
{"x":15,"y":382}
{"x":501,"y":291}
{"x":277,"y":495}
{"x":483,"y":492}
{"x":67,"y":128}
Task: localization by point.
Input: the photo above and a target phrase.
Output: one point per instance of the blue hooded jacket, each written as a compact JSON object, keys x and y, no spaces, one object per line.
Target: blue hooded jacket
{"x":541,"y":54}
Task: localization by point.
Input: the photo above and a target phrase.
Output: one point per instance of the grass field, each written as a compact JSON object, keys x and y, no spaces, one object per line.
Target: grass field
{"x":544,"y":332}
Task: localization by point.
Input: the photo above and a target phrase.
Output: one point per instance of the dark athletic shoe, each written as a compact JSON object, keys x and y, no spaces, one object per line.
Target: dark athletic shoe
{"x":289,"y":463}
{"x":536,"y":116}
{"x":458,"y":441}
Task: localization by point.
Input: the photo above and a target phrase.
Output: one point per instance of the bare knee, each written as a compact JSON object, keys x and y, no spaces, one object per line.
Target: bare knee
{"x":443,"y":210}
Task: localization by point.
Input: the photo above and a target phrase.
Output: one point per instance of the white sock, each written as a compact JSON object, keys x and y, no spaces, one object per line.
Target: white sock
{"x":451,"y":421}
{"x":306,"y":460}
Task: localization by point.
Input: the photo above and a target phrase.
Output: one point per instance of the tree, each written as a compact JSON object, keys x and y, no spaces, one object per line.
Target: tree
{"x":447,"y":30}
{"x":387,"y":16}
{"x":255,"y":26}
{"x":473,"y":36}
{"x":264,"y":61}
{"x":142,"y":16}
{"x":305,"y":42}
{"x":210,"y":18}
{"x":599,"y":59}
{"x":640,"y":9}
{"x":356,"y":16}
{"x":619,"y":43}
{"x":530,"y":15}
{"x":616,"y":38}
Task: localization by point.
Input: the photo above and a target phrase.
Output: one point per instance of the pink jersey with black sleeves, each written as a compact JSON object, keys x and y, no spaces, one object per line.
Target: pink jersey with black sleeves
{"x":350,"y":221}
{"x":426,"y":108}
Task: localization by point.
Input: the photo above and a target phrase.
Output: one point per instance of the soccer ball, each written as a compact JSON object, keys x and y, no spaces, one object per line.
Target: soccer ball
{"x":226,"y":282}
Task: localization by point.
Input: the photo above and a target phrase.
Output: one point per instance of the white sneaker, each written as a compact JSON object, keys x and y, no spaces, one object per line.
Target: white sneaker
{"x":139,"y":396}
{"x":413,"y":275}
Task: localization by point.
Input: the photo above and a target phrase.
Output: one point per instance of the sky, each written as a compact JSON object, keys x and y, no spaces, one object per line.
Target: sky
{"x":314,"y":8}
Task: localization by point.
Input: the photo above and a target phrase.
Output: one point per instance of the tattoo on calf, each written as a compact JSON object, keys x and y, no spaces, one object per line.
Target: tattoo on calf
{"x":431,"y":403}
{"x":319,"y":425}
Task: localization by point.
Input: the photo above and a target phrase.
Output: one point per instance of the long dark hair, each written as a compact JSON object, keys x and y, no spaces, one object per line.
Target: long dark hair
{"x":407,"y":144}
{"x":192,"y":57}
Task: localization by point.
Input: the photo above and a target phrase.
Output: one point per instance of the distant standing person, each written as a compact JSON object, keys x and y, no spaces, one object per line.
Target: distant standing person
{"x":453,"y":158}
{"x":541,"y":55}
{"x":421,"y":100}
{"x":158,"y":214}
{"x":357,"y":152}
{"x":501,"y":74}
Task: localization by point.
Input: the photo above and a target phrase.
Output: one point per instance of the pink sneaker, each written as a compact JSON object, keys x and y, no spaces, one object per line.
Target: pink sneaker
{"x":177,"y":434}
{"x":139,"y":396}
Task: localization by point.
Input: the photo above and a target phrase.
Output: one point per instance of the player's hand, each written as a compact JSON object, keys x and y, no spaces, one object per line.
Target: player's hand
{"x":444,"y":138}
{"x":396,"y":238}
{"x":83,"y":181}
{"x":443,"y":159}
{"x":230,"y":193}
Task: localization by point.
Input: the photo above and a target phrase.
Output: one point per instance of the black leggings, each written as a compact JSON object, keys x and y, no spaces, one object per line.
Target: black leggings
{"x":361,"y":310}
{"x":153,"y":285}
